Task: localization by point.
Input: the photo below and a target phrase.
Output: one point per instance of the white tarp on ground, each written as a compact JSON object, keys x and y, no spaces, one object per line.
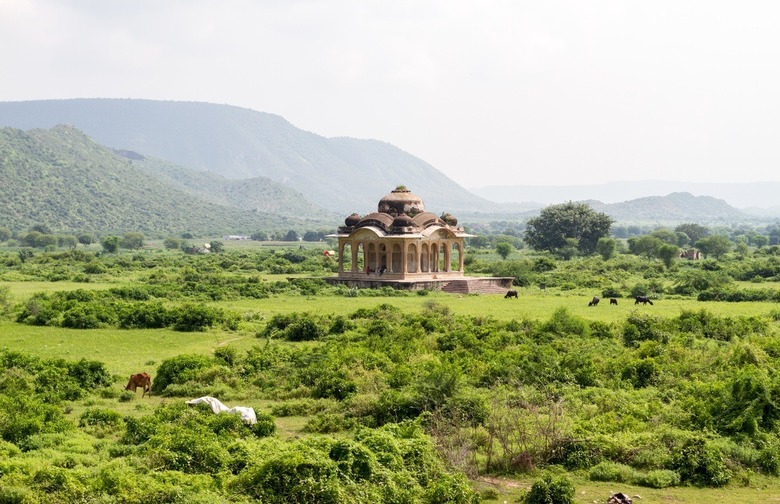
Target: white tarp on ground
{"x":247,"y":414}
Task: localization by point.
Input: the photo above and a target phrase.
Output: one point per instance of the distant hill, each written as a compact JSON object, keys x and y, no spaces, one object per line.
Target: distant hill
{"x":67,"y":181}
{"x":675,"y":207}
{"x":759,"y":195}
{"x":341,"y":174}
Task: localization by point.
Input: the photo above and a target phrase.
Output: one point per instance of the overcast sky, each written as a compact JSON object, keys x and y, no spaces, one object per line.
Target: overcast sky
{"x":489,"y":92}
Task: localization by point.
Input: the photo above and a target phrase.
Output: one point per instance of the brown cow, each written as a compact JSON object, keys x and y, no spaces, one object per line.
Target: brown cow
{"x":140,"y":380}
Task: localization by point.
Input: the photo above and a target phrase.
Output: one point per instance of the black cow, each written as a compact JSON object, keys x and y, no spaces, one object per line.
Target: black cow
{"x":613,"y":301}
{"x":643,"y":299}
{"x":510,"y":294}
{"x":594,"y":301}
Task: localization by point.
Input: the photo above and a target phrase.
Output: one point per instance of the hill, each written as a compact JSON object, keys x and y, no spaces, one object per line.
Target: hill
{"x":64,"y":179}
{"x":341,"y":174}
{"x":753,"y":197}
{"x":672,"y":208}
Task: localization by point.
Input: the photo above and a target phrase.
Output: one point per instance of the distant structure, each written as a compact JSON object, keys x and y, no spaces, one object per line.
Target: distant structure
{"x":691,"y":254}
{"x":404,"y":246}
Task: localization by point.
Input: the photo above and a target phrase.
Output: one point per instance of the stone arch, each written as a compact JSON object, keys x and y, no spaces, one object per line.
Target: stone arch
{"x":381,"y":256}
{"x":456,"y":257}
{"x":411,"y":258}
{"x":397,"y":257}
{"x":434,"y":257}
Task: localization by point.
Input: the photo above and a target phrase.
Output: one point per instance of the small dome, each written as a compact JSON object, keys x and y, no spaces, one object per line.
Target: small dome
{"x":401,"y":200}
{"x":450,"y":219}
{"x":352,"y":219}
{"x":403,"y":220}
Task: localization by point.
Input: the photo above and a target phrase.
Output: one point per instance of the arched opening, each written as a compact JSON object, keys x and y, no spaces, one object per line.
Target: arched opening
{"x":397,"y":256}
{"x":346,"y":257}
{"x":411,"y":258}
{"x":360,"y":254}
{"x":435,"y":257}
{"x":455,"y":257}
{"x":424,"y":258}
{"x":444,"y":257}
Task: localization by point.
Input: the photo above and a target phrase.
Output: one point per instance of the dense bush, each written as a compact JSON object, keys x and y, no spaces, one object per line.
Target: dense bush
{"x":550,"y":490}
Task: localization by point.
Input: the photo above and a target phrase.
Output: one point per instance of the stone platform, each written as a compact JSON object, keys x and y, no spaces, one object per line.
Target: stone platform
{"x":464,"y":285}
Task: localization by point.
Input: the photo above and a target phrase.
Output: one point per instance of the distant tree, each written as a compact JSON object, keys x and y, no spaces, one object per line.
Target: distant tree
{"x":132,"y":240}
{"x":86,"y":239}
{"x":41,"y":228}
{"x":665,"y":235}
{"x":5,"y":234}
{"x":682,"y":239}
{"x":67,"y":241}
{"x":478,"y":242}
{"x":570,"y":249}
{"x":31,"y":238}
{"x":187,"y":236}
{"x":606,"y":247}
{"x":110,"y":244}
{"x":259,"y":236}
{"x":760,"y":241}
{"x":741,"y":248}
{"x":694,"y":231}
{"x":646,"y":245}
{"x":217,"y":246}
{"x":714,"y":245}
{"x":668,"y":253}
{"x":291,"y":235}
{"x":46,"y":240}
{"x":504,"y":249}
{"x":558,"y":223}
{"x":172,"y":243}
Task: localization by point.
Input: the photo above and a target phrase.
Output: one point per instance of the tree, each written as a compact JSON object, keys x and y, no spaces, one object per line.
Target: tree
{"x":5,"y":234}
{"x":695,"y":232}
{"x":646,"y":245}
{"x":133,"y":240}
{"x":67,"y":241}
{"x":668,"y":253}
{"x":504,"y":249}
{"x":715,"y":245}
{"x":110,"y":244}
{"x":291,"y":235}
{"x":86,"y":239}
{"x":172,"y":243}
{"x":760,"y":241}
{"x":606,"y":247}
{"x":217,"y":246}
{"x":576,"y":221}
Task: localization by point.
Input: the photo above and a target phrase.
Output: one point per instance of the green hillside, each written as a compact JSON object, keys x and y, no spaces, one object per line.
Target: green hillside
{"x":66,"y":180}
{"x":239,"y":143}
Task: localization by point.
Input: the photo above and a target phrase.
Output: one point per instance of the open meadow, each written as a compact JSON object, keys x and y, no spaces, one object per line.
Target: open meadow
{"x":385,"y":396}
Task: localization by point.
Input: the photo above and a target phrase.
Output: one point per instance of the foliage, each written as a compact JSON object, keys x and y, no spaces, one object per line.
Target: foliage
{"x":557,"y":223}
{"x":550,"y":490}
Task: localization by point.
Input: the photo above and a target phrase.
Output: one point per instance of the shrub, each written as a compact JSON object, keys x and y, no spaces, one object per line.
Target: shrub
{"x":549,"y":490}
{"x":611,"y":471}
{"x":178,"y":370}
{"x":100,"y":417}
{"x":700,"y":463}
{"x":191,"y":318}
{"x":660,"y":478}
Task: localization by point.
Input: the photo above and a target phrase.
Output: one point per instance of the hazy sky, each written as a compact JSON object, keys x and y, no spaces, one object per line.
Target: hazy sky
{"x":489,"y":92}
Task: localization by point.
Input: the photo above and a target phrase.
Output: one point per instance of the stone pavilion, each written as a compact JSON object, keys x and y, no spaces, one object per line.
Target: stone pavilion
{"x":405,"y":246}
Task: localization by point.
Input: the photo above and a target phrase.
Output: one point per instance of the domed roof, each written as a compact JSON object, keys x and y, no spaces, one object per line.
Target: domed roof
{"x":403,"y":220}
{"x":401,"y":200}
{"x":352,"y":219}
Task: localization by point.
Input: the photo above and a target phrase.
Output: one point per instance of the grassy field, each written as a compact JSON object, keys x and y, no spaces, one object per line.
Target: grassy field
{"x":128,"y":351}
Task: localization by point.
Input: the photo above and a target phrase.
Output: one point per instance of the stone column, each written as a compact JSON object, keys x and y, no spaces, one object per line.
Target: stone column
{"x":355,"y":256}
{"x":341,"y":256}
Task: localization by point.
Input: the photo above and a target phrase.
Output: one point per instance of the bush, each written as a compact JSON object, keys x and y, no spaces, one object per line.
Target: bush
{"x":611,"y":471}
{"x":100,"y":417}
{"x":700,"y":463}
{"x":661,"y":478}
{"x":178,"y":370}
{"x":549,"y":490}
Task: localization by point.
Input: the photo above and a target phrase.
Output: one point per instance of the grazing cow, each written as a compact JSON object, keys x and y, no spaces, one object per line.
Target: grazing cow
{"x":140,"y":380}
{"x":613,"y":301}
{"x":594,"y":301}
{"x":510,"y":294}
{"x":643,"y":299}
